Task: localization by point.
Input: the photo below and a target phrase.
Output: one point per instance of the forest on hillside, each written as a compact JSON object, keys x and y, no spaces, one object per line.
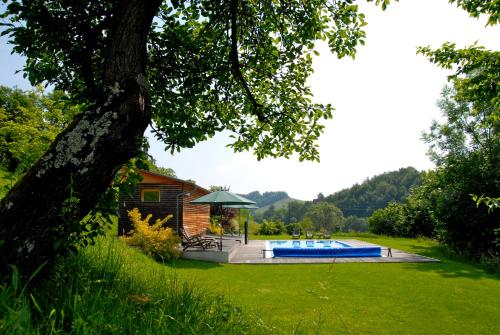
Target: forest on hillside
{"x":266,"y":198}
{"x":363,"y":199}
{"x":360,"y":200}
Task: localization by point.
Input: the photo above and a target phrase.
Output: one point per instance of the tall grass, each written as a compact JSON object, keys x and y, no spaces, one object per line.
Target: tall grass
{"x":110,"y":288}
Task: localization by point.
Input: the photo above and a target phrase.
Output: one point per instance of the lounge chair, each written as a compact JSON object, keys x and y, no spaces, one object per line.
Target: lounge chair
{"x":296,"y":233}
{"x":189,"y":241}
{"x":309,"y":234}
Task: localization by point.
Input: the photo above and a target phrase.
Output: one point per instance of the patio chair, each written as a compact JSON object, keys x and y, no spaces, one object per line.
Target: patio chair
{"x":189,"y":241}
{"x":296,"y":233}
{"x":309,"y":234}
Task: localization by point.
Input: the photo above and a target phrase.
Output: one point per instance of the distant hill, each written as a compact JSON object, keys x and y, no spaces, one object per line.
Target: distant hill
{"x":265,"y":198}
{"x":360,"y":200}
{"x":363,"y":199}
{"x":279,"y":199}
{"x":283,"y":203}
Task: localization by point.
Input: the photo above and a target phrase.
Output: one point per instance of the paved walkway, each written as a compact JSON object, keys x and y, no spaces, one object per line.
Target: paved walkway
{"x":252,"y":253}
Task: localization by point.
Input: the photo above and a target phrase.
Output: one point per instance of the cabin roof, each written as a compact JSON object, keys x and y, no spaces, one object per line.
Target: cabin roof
{"x":168,"y":178}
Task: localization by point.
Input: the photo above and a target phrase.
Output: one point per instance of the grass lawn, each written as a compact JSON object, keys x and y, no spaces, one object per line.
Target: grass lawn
{"x":451,"y":297}
{"x":112,"y":288}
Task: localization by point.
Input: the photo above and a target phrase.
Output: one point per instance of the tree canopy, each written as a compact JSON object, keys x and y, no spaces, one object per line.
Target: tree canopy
{"x":466,"y":149}
{"x":235,"y":65}
{"x":187,"y":68}
{"x":326,"y":216}
{"x":362,"y":199}
{"x":29,"y":122}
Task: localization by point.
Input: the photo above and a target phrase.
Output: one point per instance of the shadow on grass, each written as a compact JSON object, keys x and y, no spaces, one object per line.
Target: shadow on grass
{"x":452,"y":269}
{"x":192,"y":264}
{"x":451,"y":266}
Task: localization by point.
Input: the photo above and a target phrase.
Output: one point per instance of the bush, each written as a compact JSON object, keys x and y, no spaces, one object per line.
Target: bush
{"x":214,"y":227}
{"x":154,"y":240}
{"x":306,"y":224}
{"x":326,"y":216}
{"x":355,"y":224}
{"x":389,"y":221}
{"x":272,"y":228}
{"x":290,"y":228}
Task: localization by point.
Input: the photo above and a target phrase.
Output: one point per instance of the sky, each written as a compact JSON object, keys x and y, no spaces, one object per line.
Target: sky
{"x":383,"y":100}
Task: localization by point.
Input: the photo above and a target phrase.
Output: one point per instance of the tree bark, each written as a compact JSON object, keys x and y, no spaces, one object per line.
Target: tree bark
{"x":86,"y":156}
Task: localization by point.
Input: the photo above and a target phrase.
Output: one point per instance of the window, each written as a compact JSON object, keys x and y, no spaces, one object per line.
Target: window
{"x":150,"y":195}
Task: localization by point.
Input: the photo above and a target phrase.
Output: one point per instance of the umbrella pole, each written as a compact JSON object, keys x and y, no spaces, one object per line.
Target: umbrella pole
{"x":221,"y":229}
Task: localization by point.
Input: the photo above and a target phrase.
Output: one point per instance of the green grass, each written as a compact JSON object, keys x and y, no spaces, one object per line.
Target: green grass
{"x":111,"y":288}
{"x":451,"y":297}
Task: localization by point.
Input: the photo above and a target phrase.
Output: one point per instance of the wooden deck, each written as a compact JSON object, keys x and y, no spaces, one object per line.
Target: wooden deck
{"x":252,"y":253}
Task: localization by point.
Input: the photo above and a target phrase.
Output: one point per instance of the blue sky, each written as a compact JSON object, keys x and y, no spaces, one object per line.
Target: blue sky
{"x":384,"y":99}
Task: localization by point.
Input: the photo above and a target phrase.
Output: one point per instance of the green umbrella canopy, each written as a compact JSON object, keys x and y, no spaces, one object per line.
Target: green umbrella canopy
{"x":241,"y":206}
{"x":223,"y":198}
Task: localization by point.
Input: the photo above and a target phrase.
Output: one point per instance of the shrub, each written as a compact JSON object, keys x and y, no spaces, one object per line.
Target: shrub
{"x":272,"y":228}
{"x":389,"y":221}
{"x":306,"y":224}
{"x":214,"y":228}
{"x":290,"y":228}
{"x":154,"y":240}
{"x":355,"y":224}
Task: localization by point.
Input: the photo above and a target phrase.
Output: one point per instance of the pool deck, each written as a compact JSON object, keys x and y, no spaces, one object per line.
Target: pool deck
{"x":238,"y":253}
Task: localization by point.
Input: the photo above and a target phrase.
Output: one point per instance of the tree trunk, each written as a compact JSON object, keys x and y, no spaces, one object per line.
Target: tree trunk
{"x":88,"y":153}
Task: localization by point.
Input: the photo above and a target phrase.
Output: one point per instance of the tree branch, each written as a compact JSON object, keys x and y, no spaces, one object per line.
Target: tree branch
{"x":235,"y":63}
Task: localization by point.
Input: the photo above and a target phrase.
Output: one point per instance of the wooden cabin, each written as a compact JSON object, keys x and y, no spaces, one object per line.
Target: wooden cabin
{"x":161,"y":195}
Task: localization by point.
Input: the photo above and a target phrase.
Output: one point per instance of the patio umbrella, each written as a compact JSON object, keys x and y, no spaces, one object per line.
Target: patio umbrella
{"x":222,"y":198}
{"x":248,"y":218}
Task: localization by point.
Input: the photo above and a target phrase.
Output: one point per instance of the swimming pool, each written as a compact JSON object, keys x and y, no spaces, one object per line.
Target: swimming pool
{"x":318,"y":248}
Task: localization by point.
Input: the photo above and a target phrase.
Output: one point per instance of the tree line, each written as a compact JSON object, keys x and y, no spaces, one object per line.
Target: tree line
{"x":457,"y":202}
{"x":353,"y":205}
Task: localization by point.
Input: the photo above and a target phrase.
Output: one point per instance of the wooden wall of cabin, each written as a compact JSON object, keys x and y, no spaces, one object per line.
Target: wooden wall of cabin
{"x":196,"y":218}
{"x":167,"y":205}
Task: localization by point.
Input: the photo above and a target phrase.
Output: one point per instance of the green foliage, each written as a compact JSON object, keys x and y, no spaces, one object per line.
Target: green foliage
{"x":154,"y":240}
{"x":466,"y":146}
{"x":389,"y":221}
{"x":292,"y":227}
{"x":467,"y":151}
{"x":242,"y":67}
{"x":215,"y":227}
{"x":272,"y":228}
{"x":362,"y":199}
{"x":491,"y":203}
{"x":475,"y":8}
{"x":266,"y":198}
{"x":355,"y":224}
{"x":110,"y":288}
{"x":7,"y":180}
{"x":326,"y":216}
{"x":159,"y":169}
{"x":306,"y":224}
{"x":29,"y":122}
{"x":15,"y":312}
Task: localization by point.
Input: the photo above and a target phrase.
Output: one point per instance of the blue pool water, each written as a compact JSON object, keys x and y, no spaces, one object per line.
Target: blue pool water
{"x":319,"y":248}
